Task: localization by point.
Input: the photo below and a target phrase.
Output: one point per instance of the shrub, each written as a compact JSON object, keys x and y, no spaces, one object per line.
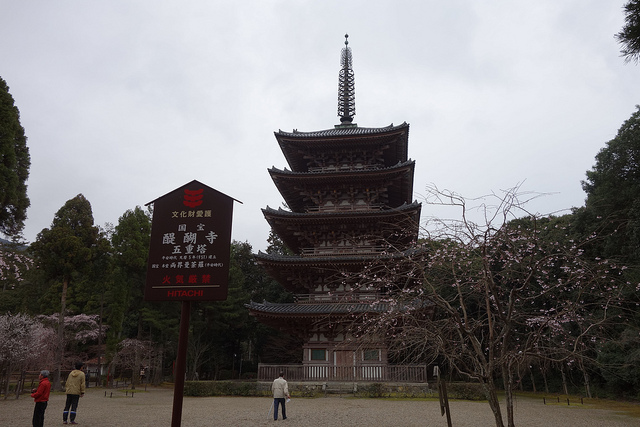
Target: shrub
{"x":223,"y":388}
{"x":225,"y":374}
{"x":413,"y":391}
{"x":372,"y":390}
{"x":465,"y":391}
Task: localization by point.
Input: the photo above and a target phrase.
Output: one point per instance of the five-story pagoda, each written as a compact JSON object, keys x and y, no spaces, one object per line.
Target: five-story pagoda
{"x":349,"y":197}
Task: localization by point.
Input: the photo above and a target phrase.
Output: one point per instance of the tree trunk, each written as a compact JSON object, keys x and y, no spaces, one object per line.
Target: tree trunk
{"x":20,"y":385}
{"x":98,"y":380}
{"x":564,"y":380}
{"x":135,"y":372}
{"x":507,"y":378}
{"x":520,"y":375}
{"x":544,"y":377}
{"x":57,"y":383}
{"x":8,"y":380}
{"x":586,"y":381}
{"x":533,"y":380}
{"x":158,"y":374}
{"x":494,"y":402}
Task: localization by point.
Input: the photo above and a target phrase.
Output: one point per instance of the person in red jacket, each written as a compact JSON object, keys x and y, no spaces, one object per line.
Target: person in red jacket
{"x":41,"y":397}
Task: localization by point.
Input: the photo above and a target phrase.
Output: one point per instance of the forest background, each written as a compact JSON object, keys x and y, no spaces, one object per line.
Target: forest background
{"x":96,"y":277}
{"x":76,"y":293}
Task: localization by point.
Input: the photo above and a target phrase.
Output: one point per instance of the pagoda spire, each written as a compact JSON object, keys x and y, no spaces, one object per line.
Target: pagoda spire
{"x":346,"y":86}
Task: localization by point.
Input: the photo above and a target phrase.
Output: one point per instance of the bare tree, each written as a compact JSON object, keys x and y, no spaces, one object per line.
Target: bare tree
{"x":487,"y":298}
{"x":198,"y":352}
{"x":132,"y":354}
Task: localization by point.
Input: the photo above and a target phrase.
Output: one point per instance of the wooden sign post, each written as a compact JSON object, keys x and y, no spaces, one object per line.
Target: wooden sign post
{"x":189,"y":259}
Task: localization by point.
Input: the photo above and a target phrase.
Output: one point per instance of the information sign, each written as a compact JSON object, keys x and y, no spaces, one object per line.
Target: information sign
{"x":190,"y":245}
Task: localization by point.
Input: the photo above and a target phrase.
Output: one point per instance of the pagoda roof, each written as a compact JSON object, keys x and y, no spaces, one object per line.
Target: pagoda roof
{"x":293,"y":271}
{"x":344,"y":174}
{"x":340,"y":131}
{"x":330,"y":216}
{"x":319,"y":261}
{"x":321,"y":309}
{"x":401,"y":174}
{"x":292,"y":143}
{"x":287,"y":224}
{"x":299,"y":318}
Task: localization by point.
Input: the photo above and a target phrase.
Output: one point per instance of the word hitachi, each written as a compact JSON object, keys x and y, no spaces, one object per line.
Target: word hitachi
{"x":185,"y":293}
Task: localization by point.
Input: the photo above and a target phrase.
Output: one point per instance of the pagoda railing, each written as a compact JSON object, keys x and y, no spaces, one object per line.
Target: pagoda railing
{"x":342,"y":250}
{"x":346,"y":207}
{"x":330,"y":298}
{"x":363,"y":373}
{"x":345,"y":167}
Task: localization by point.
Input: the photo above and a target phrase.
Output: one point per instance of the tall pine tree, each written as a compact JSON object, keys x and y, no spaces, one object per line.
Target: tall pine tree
{"x":14,"y":166}
{"x":65,"y":253}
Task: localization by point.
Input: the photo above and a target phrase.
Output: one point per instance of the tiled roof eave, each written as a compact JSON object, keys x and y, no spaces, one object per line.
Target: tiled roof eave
{"x":405,"y":209}
{"x":341,"y":132}
{"x":306,"y":310}
{"x":347,"y":173}
{"x":320,"y":260}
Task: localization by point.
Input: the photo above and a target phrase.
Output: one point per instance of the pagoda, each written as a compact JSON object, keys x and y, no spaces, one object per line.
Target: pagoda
{"x":349,"y":192}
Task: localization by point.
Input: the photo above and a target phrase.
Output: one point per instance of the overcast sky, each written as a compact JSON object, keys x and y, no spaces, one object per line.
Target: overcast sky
{"x":124,"y":100}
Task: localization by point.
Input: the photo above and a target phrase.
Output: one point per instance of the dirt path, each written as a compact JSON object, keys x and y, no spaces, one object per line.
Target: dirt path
{"x":154,"y":408}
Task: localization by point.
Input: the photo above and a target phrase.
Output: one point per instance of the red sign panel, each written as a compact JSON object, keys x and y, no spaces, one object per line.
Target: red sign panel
{"x":190,"y":245}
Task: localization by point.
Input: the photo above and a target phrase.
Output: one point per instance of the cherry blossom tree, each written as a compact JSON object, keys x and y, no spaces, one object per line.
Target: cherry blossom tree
{"x":484,"y":298}
{"x":132,"y":354}
{"x":25,"y":343}
{"x":78,"y":329}
{"x":13,"y":265}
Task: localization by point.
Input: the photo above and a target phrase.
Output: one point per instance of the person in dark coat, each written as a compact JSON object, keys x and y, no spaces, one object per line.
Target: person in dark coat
{"x":41,"y":398}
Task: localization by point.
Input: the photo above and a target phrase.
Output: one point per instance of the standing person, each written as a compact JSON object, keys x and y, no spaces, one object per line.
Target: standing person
{"x":41,"y":398}
{"x":75,"y":390}
{"x":280,"y":391}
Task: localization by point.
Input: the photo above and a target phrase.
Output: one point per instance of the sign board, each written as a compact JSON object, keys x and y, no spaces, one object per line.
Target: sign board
{"x":190,"y":245}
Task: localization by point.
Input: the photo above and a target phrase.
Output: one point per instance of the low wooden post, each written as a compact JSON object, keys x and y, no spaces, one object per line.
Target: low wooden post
{"x":444,"y":398}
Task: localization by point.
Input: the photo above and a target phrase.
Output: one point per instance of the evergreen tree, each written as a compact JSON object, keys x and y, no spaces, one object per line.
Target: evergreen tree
{"x":130,"y":240}
{"x":276,"y":245}
{"x":612,"y":211}
{"x":613,"y":194}
{"x":131,"y":244}
{"x":13,"y":270}
{"x":629,"y":37}
{"x":65,"y":253}
{"x":14,"y":166}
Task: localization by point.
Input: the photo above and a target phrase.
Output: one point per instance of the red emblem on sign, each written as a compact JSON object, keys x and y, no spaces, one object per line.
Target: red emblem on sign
{"x":193,"y":198}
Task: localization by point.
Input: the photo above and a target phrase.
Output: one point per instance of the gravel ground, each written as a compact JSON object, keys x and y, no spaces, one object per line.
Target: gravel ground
{"x":154,"y":408}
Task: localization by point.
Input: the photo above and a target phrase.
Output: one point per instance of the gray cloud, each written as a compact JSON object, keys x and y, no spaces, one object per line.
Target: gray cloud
{"x":125,"y":101}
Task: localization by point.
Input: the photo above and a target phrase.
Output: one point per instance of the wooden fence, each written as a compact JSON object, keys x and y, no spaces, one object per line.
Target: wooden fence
{"x":362,"y":373}
{"x":18,"y":383}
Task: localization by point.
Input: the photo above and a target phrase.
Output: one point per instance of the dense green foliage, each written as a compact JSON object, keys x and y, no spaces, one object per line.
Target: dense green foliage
{"x":104,"y":273}
{"x":14,"y":166}
{"x":612,"y":212}
{"x":629,"y":36}
{"x":67,"y":253}
{"x":529,"y":264}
